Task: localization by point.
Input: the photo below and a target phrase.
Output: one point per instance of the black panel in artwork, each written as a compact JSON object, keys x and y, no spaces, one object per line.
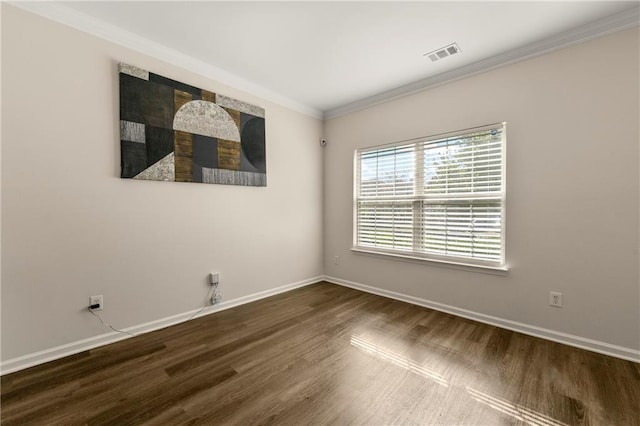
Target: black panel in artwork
{"x":253,"y":141}
{"x":175,"y":84}
{"x":196,"y":173}
{"x":133,"y":158}
{"x":245,"y":165}
{"x":146,"y":102}
{"x":159,"y":143}
{"x":205,"y":151}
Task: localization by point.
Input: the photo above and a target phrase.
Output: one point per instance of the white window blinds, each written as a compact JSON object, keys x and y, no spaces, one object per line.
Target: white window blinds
{"x":440,"y":198}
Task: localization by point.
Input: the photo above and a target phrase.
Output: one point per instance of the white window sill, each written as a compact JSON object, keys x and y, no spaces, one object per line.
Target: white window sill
{"x":494,"y":270}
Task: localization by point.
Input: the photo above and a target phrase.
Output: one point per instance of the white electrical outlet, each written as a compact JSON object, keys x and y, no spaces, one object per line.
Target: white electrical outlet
{"x":97,"y":300}
{"x":555,"y":299}
{"x":214,"y":278}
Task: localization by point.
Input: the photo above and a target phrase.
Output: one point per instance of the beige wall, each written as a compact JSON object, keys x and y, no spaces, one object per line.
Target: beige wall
{"x":572,"y":190}
{"x":72,"y":228}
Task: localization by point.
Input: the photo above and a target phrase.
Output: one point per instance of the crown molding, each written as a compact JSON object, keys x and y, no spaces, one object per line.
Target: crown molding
{"x":80,"y":21}
{"x":88,"y":24}
{"x":618,"y":22}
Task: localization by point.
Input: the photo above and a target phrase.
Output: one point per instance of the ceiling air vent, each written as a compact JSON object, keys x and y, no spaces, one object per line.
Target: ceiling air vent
{"x":443,"y":52}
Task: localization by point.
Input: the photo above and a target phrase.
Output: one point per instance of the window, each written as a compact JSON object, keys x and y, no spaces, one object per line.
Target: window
{"x":438,"y":198}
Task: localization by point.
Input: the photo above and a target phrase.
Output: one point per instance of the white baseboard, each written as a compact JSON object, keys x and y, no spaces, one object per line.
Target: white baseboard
{"x":36,"y":358}
{"x":531,"y":330}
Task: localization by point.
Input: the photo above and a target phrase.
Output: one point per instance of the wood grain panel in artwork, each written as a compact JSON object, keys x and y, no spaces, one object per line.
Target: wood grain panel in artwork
{"x":180,"y":98}
{"x":235,"y":115}
{"x":327,"y":355}
{"x":228,"y":155}
{"x":208,"y":96}
{"x":183,"y":156}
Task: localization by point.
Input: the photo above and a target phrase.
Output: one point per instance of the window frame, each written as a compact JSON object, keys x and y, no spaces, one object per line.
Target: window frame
{"x":418,"y":200}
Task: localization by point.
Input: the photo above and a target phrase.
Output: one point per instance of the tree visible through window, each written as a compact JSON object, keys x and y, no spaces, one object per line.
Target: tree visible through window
{"x":439,"y":198}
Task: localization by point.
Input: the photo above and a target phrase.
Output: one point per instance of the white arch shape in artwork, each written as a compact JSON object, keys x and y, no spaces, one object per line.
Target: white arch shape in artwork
{"x":207,"y":119}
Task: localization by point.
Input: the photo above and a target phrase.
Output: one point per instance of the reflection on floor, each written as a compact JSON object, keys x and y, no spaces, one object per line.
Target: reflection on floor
{"x":516,"y":411}
{"x":400,"y":361}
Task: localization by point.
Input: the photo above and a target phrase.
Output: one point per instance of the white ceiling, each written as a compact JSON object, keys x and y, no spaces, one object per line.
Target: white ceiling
{"x":328,"y":54}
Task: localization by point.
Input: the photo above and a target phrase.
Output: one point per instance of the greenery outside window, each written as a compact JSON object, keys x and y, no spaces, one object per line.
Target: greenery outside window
{"x":439,"y":198}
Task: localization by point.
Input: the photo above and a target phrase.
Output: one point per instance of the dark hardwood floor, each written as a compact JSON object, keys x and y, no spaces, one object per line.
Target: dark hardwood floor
{"x":325,"y":354}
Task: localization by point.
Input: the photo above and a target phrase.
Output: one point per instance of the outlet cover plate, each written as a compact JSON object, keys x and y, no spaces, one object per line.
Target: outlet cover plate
{"x":555,"y":299}
{"x":97,"y":300}
{"x":214,"y":278}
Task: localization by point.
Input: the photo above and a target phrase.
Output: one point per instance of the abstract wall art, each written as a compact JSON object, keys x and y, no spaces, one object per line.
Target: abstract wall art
{"x":170,"y":131}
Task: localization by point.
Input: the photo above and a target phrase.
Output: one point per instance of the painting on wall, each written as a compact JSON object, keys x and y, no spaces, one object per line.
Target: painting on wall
{"x":171,"y":131}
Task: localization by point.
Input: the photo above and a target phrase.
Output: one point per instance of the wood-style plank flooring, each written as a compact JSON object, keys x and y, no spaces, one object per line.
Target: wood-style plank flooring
{"x":326,"y":354}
